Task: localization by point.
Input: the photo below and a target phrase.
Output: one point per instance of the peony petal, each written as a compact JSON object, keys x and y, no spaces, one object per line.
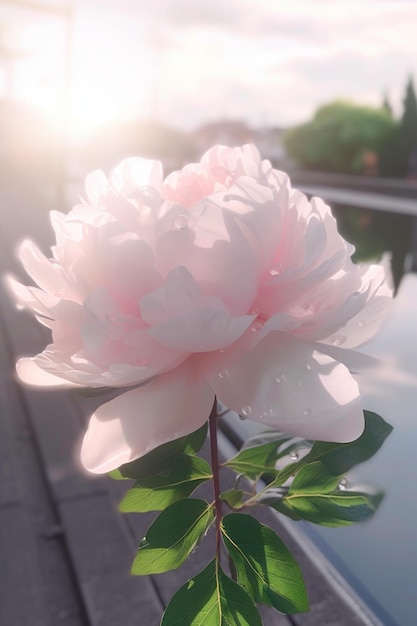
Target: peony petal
{"x":188,"y":186}
{"x":201,"y":330}
{"x":134,"y":173}
{"x":225,"y":164}
{"x":258,"y":210}
{"x":30,"y":297}
{"x":29,"y":372}
{"x":44,"y":273}
{"x":290,"y":385}
{"x":126,"y":428}
{"x":182,"y":319}
{"x":209,"y":242}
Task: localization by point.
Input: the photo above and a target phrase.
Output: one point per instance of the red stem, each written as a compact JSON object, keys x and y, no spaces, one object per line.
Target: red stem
{"x":216,"y":480}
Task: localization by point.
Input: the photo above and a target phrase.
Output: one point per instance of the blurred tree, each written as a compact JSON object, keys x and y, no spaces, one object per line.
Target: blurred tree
{"x":408,"y":128}
{"x":340,"y":138}
{"x":386,"y":105}
{"x":397,"y":150}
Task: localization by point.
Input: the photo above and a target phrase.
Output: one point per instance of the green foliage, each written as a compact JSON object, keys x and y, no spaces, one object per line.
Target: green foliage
{"x":156,"y":492}
{"x":308,"y":489}
{"x":211,"y":599}
{"x":339,"y":136}
{"x":259,"y":455}
{"x":386,"y":105}
{"x":162,"y":459}
{"x":339,"y":458}
{"x":407,"y":133}
{"x":264,"y":565}
{"x":315,"y":496}
{"x":173,"y":536}
{"x":232,"y":497}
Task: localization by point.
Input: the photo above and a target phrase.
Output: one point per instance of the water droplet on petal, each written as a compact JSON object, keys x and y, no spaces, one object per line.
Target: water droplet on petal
{"x":245,"y":411}
{"x":293,"y":456}
{"x":343,"y":484}
{"x":299,"y":383}
{"x":279,"y":378}
{"x":276,"y":270}
{"x":268,"y":413}
{"x":181,"y":222}
{"x":223,"y":374}
{"x":148,"y":193}
{"x":257,"y":326}
{"x":147,"y":198}
{"x":338,"y":340}
{"x":307,"y":412}
{"x":309,"y":367}
{"x":360,"y":324}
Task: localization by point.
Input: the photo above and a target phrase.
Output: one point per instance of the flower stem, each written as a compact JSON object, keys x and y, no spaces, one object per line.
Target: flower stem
{"x":216,"y":480}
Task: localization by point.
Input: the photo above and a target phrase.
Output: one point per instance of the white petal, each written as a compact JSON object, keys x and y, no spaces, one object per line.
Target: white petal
{"x":35,"y":299}
{"x":44,"y":273}
{"x":201,"y":331}
{"x":181,"y":319}
{"x":134,"y":173}
{"x":212,"y":246}
{"x":126,"y":428}
{"x":290,"y":385}
{"x":29,"y":372}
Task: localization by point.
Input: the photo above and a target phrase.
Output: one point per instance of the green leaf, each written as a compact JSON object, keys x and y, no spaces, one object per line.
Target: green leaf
{"x":315,"y":496}
{"x":211,"y":599}
{"x":232,"y":497}
{"x":258,"y":455}
{"x":195,"y":441}
{"x":157,"y":492}
{"x":265,"y":566}
{"x":274,"y":498}
{"x":162,"y":458}
{"x":173,"y":536}
{"x":338,"y":458}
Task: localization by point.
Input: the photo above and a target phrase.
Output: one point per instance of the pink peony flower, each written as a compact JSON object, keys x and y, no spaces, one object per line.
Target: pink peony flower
{"x":219,"y":280}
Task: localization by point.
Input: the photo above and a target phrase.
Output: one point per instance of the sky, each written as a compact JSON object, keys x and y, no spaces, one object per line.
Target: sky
{"x":184,"y":62}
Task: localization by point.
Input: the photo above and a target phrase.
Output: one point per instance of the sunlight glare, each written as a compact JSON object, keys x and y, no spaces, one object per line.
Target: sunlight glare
{"x":110,"y":78}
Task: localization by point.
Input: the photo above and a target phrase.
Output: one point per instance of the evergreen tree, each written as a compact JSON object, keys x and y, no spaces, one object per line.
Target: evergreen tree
{"x":408,"y":128}
{"x":400,"y":145}
{"x":386,"y":105}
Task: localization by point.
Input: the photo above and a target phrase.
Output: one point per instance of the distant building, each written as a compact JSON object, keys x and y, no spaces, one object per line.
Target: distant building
{"x":270,"y":144}
{"x":224,"y":132}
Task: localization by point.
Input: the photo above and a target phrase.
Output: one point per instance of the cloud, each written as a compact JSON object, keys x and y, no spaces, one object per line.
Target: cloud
{"x":270,"y":60}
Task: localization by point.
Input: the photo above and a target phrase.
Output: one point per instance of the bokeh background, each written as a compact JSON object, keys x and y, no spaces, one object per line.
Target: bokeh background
{"x":325,"y":89}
